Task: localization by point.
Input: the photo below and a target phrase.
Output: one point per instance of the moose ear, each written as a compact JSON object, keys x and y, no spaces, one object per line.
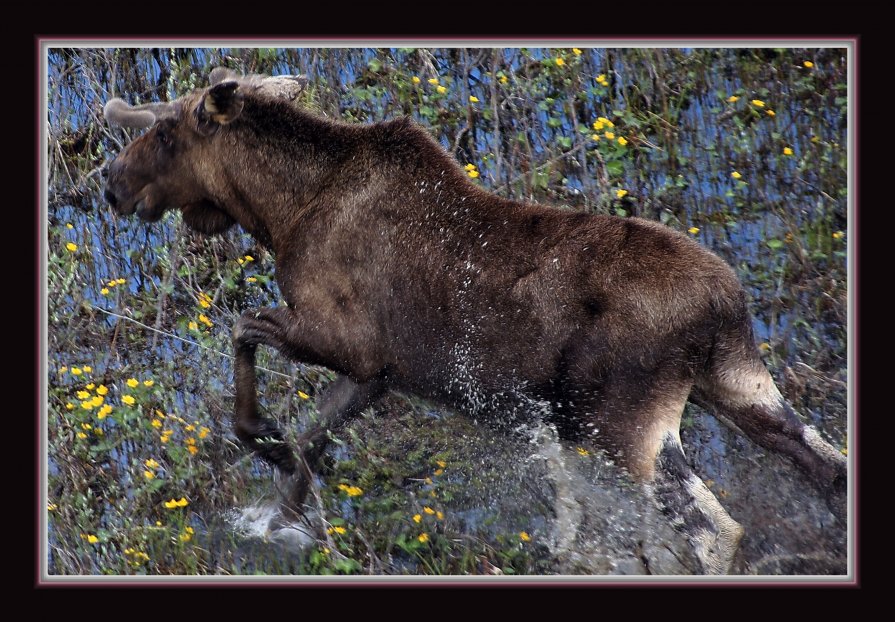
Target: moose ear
{"x":222,"y":104}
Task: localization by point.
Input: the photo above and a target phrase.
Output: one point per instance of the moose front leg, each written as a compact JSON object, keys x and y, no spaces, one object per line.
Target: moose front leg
{"x":259,"y":433}
{"x":287,"y":331}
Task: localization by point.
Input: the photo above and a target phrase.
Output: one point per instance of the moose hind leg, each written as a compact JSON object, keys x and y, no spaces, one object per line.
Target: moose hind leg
{"x":745,"y":395}
{"x":646,"y":430}
{"x":694,"y":510}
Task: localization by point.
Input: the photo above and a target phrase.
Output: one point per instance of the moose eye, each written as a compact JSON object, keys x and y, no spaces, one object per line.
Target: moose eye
{"x":163,"y":136}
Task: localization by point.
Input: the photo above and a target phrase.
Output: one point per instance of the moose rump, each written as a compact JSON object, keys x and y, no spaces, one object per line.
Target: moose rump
{"x":400,"y":273}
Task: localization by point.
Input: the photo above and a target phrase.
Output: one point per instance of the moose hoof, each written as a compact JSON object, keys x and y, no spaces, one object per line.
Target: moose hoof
{"x":266,"y":439}
{"x":293,"y":489}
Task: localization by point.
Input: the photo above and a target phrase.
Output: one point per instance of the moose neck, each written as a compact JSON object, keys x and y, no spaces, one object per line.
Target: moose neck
{"x":275,"y":164}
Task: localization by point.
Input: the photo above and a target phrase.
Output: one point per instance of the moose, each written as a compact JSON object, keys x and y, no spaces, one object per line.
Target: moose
{"x":399,"y":272}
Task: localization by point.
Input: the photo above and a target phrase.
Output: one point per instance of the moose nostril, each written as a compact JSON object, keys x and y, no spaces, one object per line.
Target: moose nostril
{"x":110,"y":197}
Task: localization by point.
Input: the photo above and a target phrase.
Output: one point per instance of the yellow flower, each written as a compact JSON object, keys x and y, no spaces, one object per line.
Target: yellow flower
{"x":808,"y":64}
{"x":82,"y":395}
{"x":86,"y":426}
{"x":193,"y":326}
{"x":338,"y":530}
{"x":75,"y":371}
{"x":152,"y":464}
{"x":240,"y":261}
{"x":303,"y":395}
{"x":128,"y":399}
{"x":102,"y":389}
{"x":148,"y":474}
{"x":733,"y":99}
{"x":166,"y":435}
{"x":758,"y":103}
{"x":104,"y":291}
{"x":87,"y":369}
{"x":156,"y":423}
{"x":63,"y":369}
{"x":133,"y":382}
{"x":469,"y":167}
{"x":415,"y":80}
{"x":428,"y":510}
{"x":81,"y":435}
{"x":171,"y":504}
{"x":187,"y":534}
{"x":98,"y":431}
{"x":251,"y":279}
{"x":771,"y":113}
{"x":439,"y":515}
{"x":787,"y":151}
{"x":97,"y":400}
{"x":473,"y":99}
{"x":417,"y":518}
{"x":838,"y":235}
{"x":438,"y":471}
{"x":189,"y":441}
{"x":203,"y":302}
{"x":92,"y":539}
{"x":441,"y":463}
{"x":86,"y":405}
{"x":90,"y":387}
{"x":190,"y":428}
{"x":68,"y":225}
{"x":605,"y":121}
{"x":576,"y":51}
{"x":52,"y":507}
{"x":159,"y":414}
{"x":72,"y":247}
{"x":560,"y":62}
{"x":148,"y":383}
{"x":203,"y":432}
{"x":693,"y":230}
{"x":354,"y":491}
{"x":120,"y":281}
{"x":433,"y":81}
{"x":601,"y":78}
{"x":193,"y":450}
{"x":523,"y":535}
{"x":504,"y":79}
{"x":622,"y":141}
{"x":736,"y":175}
{"x":182,"y":502}
{"x":583,"y":452}
{"x":423,"y":537}
{"x":204,"y":319}
{"x":473,"y":174}
{"x":69,"y":406}
{"x":428,"y":480}
{"x":621,"y":194}
{"x":599,"y":125}
{"x":595,"y":137}
{"x":610,"y":135}
{"x":441,"y":89}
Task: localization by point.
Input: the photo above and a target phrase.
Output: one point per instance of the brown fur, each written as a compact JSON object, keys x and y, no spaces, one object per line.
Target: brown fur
{"x":400,"y":272}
